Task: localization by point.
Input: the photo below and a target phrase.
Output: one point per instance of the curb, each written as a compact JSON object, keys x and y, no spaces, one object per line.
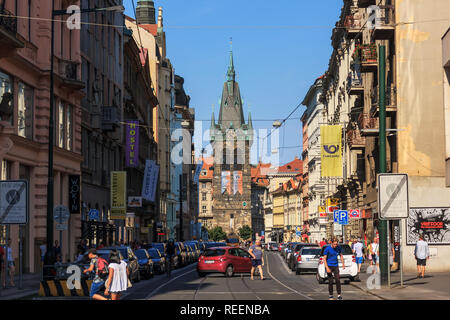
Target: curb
{"x":368,"y":292}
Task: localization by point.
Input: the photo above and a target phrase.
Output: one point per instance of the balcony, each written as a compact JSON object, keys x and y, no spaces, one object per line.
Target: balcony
{"x":384,"y":23}
{"x":366,"y":3}
{"x":8,"y":33}
{"x":367,"y":123}
{"x":68,"y":71}
{"x":353,"y":24}
{"x":390,"y":100}
{"x":355,"y":140}
{"x":110,"y":118}
{"x":355,"y":83}
{"x":365,"y":57}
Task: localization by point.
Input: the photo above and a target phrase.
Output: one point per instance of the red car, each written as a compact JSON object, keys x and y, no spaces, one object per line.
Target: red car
{"x":226,"y":260}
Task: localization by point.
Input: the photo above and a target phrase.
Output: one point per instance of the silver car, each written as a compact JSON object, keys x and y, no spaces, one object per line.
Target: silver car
{"x":307,"y":259}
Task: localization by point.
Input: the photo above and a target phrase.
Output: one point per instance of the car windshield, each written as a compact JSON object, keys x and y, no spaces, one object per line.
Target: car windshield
{"x":140,"y":254}
{"x":124,"y":253}
{"x":310,"y":252}
{"x":153,"y":253}
{"x":214,"y":252}
{"x":300,"y":246}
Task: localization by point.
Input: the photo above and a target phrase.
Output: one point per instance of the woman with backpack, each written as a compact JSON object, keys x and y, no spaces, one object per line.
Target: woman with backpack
{"x":117,"y":282}
{"x":100,"y":267}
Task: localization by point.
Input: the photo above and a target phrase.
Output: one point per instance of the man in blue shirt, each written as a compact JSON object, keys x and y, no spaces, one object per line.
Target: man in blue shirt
{"x":330,"y":259}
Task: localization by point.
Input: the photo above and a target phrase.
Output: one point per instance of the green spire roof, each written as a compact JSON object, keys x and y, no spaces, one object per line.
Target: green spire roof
{"x":231,"y":73}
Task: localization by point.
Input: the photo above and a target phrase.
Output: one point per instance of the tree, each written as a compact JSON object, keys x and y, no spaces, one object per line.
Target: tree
{"x":217,"y":234}
{"x":245,"y":232}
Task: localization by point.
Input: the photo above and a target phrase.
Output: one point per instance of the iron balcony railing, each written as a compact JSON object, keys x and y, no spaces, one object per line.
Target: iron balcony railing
{"x":354,"y":80}
{"x":353,"y":23}
{"x":8,"y":21}
{"x":354,"y":138}
{"x":390,"y":96}
{"x":366,"y":121}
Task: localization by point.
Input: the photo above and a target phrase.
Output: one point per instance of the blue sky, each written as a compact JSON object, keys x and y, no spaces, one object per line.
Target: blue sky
{"x":280,"y":48}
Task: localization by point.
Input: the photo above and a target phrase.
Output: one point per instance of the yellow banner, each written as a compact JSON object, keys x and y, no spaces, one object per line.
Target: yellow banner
{"x":331,"y":151}
{"x":118,"y":195}
{"x":332,"y":202}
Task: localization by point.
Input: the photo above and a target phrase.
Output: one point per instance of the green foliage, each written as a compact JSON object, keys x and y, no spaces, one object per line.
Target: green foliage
{"x":245,"y":232}
{"x":217,"y":234}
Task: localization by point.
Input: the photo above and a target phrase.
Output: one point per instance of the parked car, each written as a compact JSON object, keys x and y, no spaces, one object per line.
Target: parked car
{"x":146,"y":266}
{"x":289,"y":250}
{"x":195,"y":250}
{"x":295,"y":251}
{"x":159,"y":261}
{"x":160,"y":246}
{"x":226,"y":260}
{"x":182,"y":255}
{"x":307,"y":259}
{"x":272,"y":246}
{"x":190,"y":254}
{"x":130,"y":258}
{"x":351,"y":268}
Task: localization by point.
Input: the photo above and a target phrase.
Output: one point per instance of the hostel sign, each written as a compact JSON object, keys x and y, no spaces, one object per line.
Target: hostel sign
{"x":132,"y":144}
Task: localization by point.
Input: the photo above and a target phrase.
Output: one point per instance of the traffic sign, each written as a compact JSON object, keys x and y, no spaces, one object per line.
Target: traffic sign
{"x":61,"y":227}
{"x":93,"y":215}
{"x":14,"y":204}
{"x":336,"y":216}
{"x":343,"y":216}
{"x":61,"y":214}
{"x":393,"y":202}
{"x":298,"y":231}
{"x":354,"y":213}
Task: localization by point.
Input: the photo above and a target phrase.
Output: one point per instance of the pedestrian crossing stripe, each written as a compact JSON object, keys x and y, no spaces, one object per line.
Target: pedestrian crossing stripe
{"x":58,"y":288}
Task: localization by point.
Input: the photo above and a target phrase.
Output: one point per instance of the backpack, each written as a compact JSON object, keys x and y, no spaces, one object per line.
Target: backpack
{"x":102,"y":268}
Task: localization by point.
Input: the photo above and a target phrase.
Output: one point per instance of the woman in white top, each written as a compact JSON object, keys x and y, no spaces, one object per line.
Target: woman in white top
{"x":117,"y":282}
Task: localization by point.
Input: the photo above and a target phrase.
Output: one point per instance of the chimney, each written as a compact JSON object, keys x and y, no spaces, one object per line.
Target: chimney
{"x":145,"y":12}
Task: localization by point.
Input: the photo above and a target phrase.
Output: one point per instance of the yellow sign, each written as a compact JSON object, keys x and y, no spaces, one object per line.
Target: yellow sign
{"x":323,"y":212}
{"x":332,"y":204}
{"x":118,"y":195}
{"x":331,"y":151}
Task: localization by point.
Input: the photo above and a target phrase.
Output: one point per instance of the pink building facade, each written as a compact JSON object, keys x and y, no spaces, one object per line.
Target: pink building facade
{"x":24,"y":118}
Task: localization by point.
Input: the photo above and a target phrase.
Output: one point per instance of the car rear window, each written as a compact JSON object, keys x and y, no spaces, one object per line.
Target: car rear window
{"x":153,"y":253}
{"x":140,"y":254}
{"x":298,"y":247}
{"x":310,"y":252}
{"x":346,"y":250}
{"x":124,"y":253}
{"x":214,"y":252}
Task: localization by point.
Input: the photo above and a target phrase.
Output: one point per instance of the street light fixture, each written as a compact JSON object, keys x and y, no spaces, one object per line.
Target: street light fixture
{"x":49,"y":257}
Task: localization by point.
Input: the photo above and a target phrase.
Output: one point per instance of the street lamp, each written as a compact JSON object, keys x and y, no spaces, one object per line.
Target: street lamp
{"x":49,"y":258}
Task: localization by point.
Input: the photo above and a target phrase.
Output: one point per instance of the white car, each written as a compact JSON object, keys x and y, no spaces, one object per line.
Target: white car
{"x":351,"y":268}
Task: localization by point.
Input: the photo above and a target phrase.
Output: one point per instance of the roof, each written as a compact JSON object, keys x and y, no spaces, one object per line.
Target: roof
{"x":295,"y":166}
{"x":208,"y":166}
{"x":259,"y":174}
{"x":151,"y":28}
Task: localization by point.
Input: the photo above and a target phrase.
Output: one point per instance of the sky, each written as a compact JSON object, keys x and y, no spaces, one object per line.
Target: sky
{"x":280,"y":48}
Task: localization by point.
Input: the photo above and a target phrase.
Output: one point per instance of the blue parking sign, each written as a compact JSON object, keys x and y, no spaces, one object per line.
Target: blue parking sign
{"x":93,"y":215}
{"x":343,"y":216}
{"x":336,"y":216}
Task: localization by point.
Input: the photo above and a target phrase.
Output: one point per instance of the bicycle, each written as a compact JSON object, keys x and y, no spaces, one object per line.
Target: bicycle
{"x":169,"y":263}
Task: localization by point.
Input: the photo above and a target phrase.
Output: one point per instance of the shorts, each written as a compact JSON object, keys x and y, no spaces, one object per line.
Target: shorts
{"x":422,"y":262}
{"x":256,"y":262}
{"x":96,"y":287}
{"x":359,"y":260}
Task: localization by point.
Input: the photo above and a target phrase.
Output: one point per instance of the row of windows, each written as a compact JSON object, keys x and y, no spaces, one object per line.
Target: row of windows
{"x":25,"y":111}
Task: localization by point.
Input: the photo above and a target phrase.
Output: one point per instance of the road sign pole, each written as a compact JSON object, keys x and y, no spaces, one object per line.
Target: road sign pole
{"x":20,"y":257}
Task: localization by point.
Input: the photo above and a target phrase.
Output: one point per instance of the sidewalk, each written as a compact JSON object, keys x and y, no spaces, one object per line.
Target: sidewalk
{"x":433,"y":287}
{"x":30,"y":286}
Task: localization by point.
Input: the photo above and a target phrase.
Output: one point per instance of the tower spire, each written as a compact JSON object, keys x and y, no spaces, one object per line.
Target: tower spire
{"x":231,"y":74}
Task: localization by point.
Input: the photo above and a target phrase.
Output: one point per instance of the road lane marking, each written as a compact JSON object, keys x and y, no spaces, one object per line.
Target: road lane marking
{"x":199,"y":286}
{"x":166,"y":283}
{"x":284,"y":265}
{"x":245,"y":284}
{"x":293,"y":290}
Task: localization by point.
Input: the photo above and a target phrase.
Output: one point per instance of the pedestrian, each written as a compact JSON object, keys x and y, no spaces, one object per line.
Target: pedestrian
{"x":422,"y":254}
{"x":374,"y":251}
{"x":117,"y":282}
{"x":99,"y":266}
{"x":330,"y":260}
{"x":258,"y":259}
{"x":43,"y":249}
{"x":359,"y":254}
{"x":10,"y":263}
{"x":56,"y":249}
{"x":323,"y":242}
{"x":101,"y":245}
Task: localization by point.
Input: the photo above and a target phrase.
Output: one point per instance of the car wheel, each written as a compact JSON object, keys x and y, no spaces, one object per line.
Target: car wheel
{"x":201,"y":274}
{"x":319,"y":279}
{"x":355,"y":278}
{"x":230,"y":271}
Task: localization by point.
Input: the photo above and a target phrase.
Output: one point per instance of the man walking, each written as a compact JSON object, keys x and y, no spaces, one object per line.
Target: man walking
{"x":330,"y":260}
{"x":257,"y":259}
{"x":359,"y":254}
{"x":422,"y":254}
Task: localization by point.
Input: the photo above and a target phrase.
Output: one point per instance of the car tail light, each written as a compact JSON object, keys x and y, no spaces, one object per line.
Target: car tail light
{"x":320,"y":260}
{"x":299,"y":258}
{"x":353,"y":259}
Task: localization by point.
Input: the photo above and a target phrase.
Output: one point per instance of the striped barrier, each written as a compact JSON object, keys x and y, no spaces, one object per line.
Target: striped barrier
{"x":58,"y":288}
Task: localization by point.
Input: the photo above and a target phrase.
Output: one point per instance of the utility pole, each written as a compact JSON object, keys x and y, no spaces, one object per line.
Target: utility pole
{"x":382,"y":226}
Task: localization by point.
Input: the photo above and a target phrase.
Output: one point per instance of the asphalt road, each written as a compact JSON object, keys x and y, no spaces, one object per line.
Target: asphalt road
{"x":280,"y":284}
